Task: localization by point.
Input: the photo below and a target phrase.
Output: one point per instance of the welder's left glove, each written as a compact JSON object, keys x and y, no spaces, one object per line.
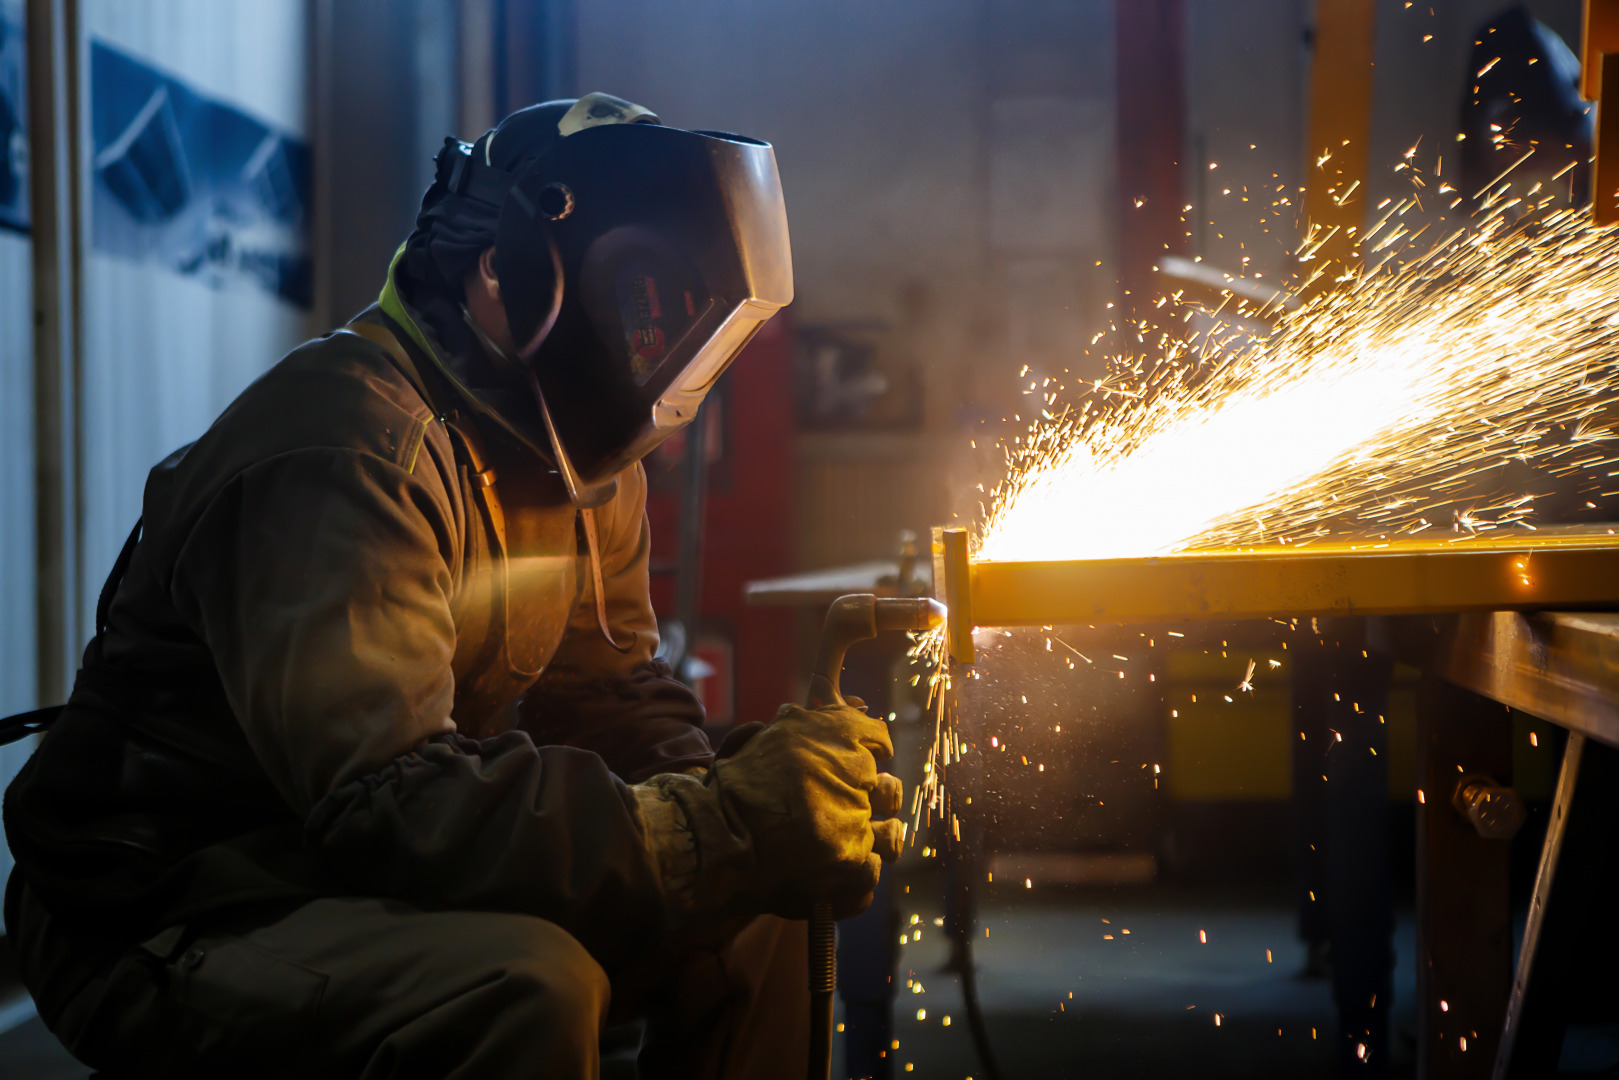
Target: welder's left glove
{"x":783,"y":818}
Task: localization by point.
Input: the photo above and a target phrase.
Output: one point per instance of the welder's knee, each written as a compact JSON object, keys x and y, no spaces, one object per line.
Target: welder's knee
{"x":554,"y":975}
{"x":519,"y":996}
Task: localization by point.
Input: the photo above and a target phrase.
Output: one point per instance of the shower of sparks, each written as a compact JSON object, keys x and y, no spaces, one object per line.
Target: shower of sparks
{"x":1377,"y":406}
{"x":1388,"y":403}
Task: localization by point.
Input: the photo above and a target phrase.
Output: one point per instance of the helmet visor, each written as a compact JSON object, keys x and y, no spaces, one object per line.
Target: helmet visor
{"x":674,"y":252}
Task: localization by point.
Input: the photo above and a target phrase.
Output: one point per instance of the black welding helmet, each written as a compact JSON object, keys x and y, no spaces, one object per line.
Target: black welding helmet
{"x":635,"y":261}
{"x":1522,"y":115}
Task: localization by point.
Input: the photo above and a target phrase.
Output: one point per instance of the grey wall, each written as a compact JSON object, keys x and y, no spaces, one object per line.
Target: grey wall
{"x":372,"y":164}
{"x":957,"y":148}
{"x":1248,"y":95}
{"x":392,"y":79}
{"x":948,"y":170}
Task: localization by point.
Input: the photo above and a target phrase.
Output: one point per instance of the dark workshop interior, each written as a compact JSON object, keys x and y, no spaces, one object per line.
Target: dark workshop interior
{"x":1339,"y":814}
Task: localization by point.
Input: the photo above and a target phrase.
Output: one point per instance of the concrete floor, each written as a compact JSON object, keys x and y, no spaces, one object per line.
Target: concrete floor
{"x":1062,"y":1000}
{"x":1142,"y":1005}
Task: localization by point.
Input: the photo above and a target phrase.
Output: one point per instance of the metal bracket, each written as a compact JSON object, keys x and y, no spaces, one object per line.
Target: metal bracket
{"x":952,"y":583}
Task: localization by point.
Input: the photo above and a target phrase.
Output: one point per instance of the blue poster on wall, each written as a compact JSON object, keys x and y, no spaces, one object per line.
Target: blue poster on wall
{"x":13,"y":119}
{"x":193,"y":184}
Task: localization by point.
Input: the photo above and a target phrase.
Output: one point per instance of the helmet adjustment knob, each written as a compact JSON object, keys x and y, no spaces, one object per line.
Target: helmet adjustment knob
{"x":556,"y":201}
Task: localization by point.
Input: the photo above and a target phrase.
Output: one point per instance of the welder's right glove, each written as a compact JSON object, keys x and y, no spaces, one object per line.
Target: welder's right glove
{"x":783,"y":818}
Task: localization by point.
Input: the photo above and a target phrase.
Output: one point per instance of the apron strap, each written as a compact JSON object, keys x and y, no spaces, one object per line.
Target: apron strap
{"x":588,"y":517}
{"x":13,"y":728}
{"x":485,"y":477}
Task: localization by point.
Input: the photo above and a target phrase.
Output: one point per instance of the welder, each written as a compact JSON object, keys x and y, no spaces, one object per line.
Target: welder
{"x":370,"y":769}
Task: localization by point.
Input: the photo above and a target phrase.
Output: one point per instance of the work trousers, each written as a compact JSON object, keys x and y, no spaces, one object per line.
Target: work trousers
{"x":375,"y":989}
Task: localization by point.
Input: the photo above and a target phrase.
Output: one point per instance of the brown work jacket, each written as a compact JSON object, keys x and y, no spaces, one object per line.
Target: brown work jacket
{"x":358,"y":649}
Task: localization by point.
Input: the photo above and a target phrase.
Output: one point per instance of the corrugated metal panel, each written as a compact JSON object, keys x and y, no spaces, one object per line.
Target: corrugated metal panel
{"x":16,"y":501}
{"x":164,"y":352}
{"x":18,"y":683}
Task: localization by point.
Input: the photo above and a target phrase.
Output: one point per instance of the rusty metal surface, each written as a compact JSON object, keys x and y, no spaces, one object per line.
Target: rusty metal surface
{"x":1562,"y":667}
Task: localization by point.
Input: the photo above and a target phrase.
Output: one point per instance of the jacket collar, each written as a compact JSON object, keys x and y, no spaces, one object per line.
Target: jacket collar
{"x":418,"y":340}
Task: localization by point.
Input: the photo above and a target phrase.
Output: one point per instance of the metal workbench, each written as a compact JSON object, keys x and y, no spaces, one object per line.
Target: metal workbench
{"x":1482,"y":618}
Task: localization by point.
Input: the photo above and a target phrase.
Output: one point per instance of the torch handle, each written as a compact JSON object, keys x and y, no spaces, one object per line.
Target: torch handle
{"x":850,"y":619}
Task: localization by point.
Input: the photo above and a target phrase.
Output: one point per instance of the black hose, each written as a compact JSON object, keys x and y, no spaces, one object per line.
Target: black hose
{"x":823,"y":979}
{"x":961,"y":960}
{"x":964,"y":867}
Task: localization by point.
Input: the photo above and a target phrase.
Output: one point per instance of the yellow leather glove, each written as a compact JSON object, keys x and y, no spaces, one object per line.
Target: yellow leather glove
{"x":782,"y":819}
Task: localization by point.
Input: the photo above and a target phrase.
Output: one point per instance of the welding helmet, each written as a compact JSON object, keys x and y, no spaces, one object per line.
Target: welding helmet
{"x":1522,"y":95}
{"x":635,"y":261}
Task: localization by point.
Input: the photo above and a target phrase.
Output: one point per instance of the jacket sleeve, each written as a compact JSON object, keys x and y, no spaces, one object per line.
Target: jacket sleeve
{"x":321,"y":582}
{"x":624,"y":706}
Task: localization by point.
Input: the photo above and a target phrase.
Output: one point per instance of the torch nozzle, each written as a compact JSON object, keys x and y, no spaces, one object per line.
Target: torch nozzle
{"x":909,"y":613}
{"x":855,"y":618}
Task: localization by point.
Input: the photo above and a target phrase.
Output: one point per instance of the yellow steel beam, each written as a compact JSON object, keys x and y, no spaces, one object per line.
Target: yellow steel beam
{"x":1340,"y":128}
{"x":1564,"y":568}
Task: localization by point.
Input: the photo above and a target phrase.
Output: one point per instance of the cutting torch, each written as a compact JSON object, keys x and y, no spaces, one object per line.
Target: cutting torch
{"x":850,"y":619}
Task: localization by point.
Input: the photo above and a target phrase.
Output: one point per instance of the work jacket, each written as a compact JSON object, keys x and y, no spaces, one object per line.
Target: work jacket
{"x":358,"y":649}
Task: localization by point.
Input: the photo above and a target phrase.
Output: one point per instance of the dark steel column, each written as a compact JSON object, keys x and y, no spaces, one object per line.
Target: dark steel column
{"x":1310,"y":740}
{"x":535,"y":52}
{"x":53,"y":198}
{"x":1151,"y":66}
{"x":1362,"y":908}
{"x":1464,"y":925}
{"x":1341,"y":798}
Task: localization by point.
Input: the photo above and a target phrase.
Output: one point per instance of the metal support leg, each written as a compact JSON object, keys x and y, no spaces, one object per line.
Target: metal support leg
{"x":1464,"y":926}
{"x":1572,"y":891}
